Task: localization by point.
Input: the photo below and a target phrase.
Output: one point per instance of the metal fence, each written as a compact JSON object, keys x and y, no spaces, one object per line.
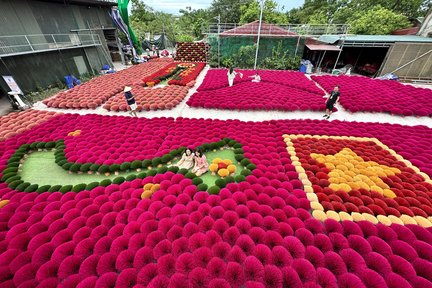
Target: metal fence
{"x":24,"y":44}
{"x":273,"y":29}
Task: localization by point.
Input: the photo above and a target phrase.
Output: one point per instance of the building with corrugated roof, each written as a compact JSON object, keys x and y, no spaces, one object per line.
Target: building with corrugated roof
{"x":41,"y":41}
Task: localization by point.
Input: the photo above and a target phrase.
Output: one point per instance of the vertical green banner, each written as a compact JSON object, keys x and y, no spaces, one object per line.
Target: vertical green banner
{"x":123,"y":10}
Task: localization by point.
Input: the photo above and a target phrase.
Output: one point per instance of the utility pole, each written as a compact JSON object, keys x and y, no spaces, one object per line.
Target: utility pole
{"x":219,"y":20}
{"x":259,"y":34}
{"x":340,"y":51}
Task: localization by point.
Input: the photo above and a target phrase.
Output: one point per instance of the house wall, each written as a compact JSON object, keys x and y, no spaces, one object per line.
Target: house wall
{"x":42,"y":69}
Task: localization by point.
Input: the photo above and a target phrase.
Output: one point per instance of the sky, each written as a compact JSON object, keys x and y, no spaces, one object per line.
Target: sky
{"x":173,"y":6}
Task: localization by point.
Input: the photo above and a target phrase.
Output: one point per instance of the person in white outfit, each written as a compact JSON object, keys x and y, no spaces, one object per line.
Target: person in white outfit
{"x":256,"y":78}
{"x":231,"y":75}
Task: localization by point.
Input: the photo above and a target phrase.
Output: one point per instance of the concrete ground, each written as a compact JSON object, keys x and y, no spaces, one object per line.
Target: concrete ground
{"x":5,"y":107}
{"x":183,"y":110}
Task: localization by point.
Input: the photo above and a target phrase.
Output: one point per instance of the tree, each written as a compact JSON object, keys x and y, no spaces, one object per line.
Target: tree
{"x":229,"y":10}
{"x":250,"y":12}
{"x":409,"y":8}
{"x":192,"y":22}
{"x":378,"y":21}
{"x":145,"y":20}
{"x":343,"y":11}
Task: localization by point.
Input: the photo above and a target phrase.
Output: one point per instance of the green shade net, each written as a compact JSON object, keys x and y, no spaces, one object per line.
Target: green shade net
{"x":123,"y":10}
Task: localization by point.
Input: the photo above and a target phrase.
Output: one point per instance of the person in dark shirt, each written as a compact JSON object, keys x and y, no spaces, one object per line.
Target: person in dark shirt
{"x":331,"y":101}
{"x":130,"y":99}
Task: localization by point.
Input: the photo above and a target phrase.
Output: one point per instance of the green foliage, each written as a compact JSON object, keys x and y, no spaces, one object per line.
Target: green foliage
{"x":184,"y":38}
{"x":213,"y":190}
{"x":105,"y":182}
{"x":341,"y":12}
{"x":228,"y":10}
{"x":162,"y":169}
{"x":244,"y":58}
{"x":205,"y":146}
{"x":31,"y":188}
{"x":151,"y":172}
{"x":156,"y":161}
{"x":146,"y":163}
{"x":319,"y":17}
{"x":14,"y":159}
{"x":125,"y":166}
{"x":141,"y":175}
{"x":13,"y":164}
{"x":114,"y":168}
{"x":183,"y":171}
{"x":196,"y":181}
{"x":40,"y":145}
{"x":8,"y":176}
{"x":246,"y":172}
{"x":240,"y":178}
{"x":12,"y":179}
{"x":281,"y":59}
{"x":175,"y":152}
{"x":118,"y":180}
{"x":229,"y":179}
{"x":239,"y":157}
{"x":94,"y":167}
{"x":22,"y":186}
{"x":34,"y":145}
{"x":190,"y":175}
{"x":202,"y":187}
{"x":173,"y":169}
{"x":131,"y":177}
{"x":55,"y":188}
{"x":67,"y":165}
{"x":238,"y":151}
{"x":43,"y":188}
{"x":214,"y":146}
{"x":378,"y":21}
{"x":166,"y":158}
{"x":220,"y":183}
{"x":10,"y":170}
{"x":79,"y":187}
{"x":66,"y":188}
{"x":250,"y":12}
{"x":85,"y":167}
{"x":251,"y":166}
{"x":75,"y":167}
{"x":92,"y":185}
{"x":103,"y":169}
{"x":136,"y":164}
{"x":50,"y":145}
{"x":15,"y":184}
{"x":245,"y":162}
{"x":192,"y":22}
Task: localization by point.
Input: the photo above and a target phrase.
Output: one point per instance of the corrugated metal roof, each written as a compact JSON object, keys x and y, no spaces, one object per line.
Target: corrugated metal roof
{"x":322,"y":47}
{"x":316,"y":45}
{"x":252,"y":29}
{"x":375,"y":38}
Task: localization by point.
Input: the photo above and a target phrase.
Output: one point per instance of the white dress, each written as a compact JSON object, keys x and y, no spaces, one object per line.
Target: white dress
{"x":231,"y":77}
{"x":186,"y":162}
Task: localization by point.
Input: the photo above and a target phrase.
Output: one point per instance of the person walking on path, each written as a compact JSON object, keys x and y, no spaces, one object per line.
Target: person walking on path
{"x":331,"y":101}
{"x":130,"y":99}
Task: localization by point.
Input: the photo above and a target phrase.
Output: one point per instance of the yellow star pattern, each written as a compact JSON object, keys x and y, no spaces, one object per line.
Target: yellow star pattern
{"x":348,"y":172}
